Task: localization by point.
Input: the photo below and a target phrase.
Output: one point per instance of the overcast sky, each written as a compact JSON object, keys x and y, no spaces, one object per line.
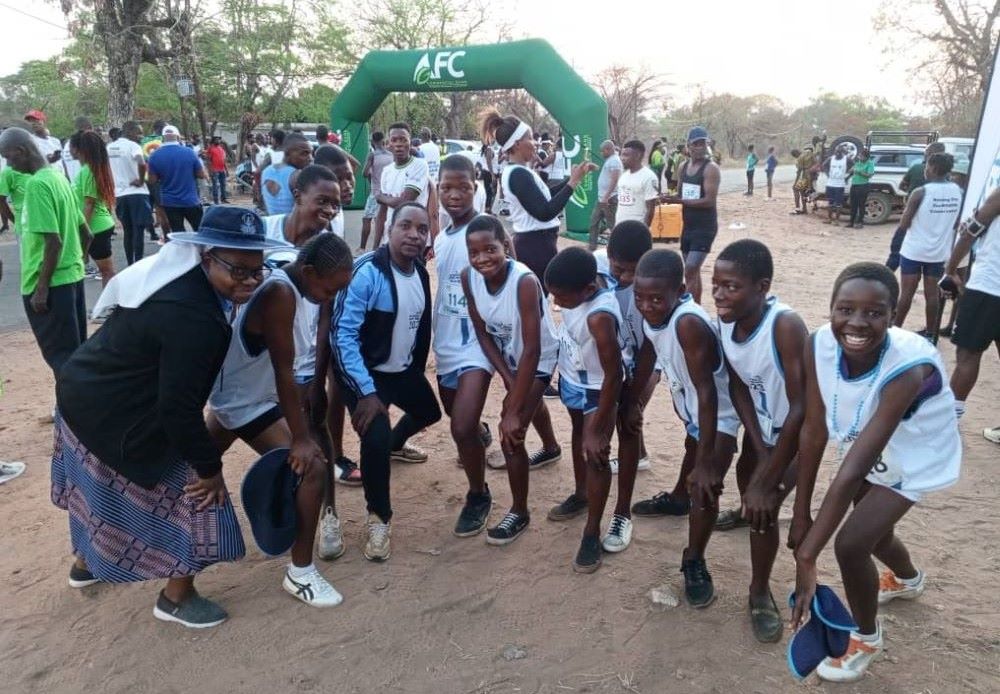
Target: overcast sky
{"x":720,"y":44}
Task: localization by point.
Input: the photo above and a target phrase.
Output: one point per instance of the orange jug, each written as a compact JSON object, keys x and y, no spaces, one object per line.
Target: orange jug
{"x":667,"y":222}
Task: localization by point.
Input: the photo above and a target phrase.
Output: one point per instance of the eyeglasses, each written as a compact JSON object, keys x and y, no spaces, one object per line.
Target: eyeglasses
{"x":241,"y":274}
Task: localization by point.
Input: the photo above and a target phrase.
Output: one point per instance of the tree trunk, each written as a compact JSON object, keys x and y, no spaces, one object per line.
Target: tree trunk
{"x":118,"y":26}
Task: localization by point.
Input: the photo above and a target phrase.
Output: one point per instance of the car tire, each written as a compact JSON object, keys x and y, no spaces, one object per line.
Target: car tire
{"x":878,"y":207}
{"x":854,"y":145}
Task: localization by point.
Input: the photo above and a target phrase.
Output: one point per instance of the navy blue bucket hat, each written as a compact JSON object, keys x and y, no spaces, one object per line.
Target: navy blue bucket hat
{"x":827,"y":633}
{"x":229,"y":226}
{"x":697,"y":133}
{"x":268,"y":495}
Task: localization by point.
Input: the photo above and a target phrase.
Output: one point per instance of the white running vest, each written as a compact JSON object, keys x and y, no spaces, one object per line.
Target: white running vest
{"x":671,"y":358}
{"x":631,"y":318}
{"x":836,"y":178}
{"x":985,"y":273}
{"x":755,"y":360}
{"x":455,"y":344}
{"x":924,"y":453}
{"x":501,"y":314}
{"x":579,"y":362}
{"x":520,"y":220}
{"x":245,"y":387}
{"x":930,"y":236}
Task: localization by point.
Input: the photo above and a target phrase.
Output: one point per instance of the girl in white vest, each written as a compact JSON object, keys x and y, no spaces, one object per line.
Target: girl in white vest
{"x":255,"y":397}
{"x":763,"y":341}
{"x":929,"y":224}
{"x":517,"y":336}
{"x":882,"y":395}
{"x":683,"y":340}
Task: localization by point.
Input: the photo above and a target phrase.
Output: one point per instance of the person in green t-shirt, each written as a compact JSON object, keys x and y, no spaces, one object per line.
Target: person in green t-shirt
{"x":12,"y":184}
{"x":752,"y":160}
{"x":54,"y":238}
{"x":95,"y":193}
{"x":657,"y":160}
{"x":861,"y":173}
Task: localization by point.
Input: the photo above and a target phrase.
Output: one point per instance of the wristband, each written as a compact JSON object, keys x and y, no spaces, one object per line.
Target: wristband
{"x":973,"y":227}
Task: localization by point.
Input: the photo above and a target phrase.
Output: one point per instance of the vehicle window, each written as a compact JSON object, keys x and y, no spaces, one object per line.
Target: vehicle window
{"x":454,"y":147}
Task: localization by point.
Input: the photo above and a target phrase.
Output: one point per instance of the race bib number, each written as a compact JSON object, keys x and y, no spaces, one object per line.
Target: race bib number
{"x":454,"y":302}
{"x":690,"y":191}
{"x":625,"y":196}
{"x":570,"y":349}
{"x":886,"y":472}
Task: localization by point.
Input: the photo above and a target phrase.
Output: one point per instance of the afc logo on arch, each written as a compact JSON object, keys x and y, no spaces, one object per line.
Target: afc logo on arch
{"x":428,"y":69}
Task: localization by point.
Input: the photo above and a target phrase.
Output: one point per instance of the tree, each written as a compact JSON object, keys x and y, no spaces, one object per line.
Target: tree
{"x":629,"y":93}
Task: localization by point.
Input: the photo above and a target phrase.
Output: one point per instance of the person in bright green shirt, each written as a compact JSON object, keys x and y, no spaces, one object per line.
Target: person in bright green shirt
{"x":12,"y":184}
{"x":54,"y":238}
{"x":861,"y":173}
{"x":752,"y":160}
{"x":657,"y":160}
{"x":95,"y":193}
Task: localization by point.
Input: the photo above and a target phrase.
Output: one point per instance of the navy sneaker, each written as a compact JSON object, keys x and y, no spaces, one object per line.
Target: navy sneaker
{"x":572,"y":507}
{"x":472,"y":520}
{"x":663,"y":504}
{"x":508,"y":529}
{"x":542,"y":457}
{"x":698,"y":588}
{"x":588,"y":557}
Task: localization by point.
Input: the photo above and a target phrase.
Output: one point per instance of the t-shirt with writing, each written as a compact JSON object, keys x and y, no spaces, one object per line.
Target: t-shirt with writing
{"x":837,"y":176}
{"x":50,"y":207}
{"x":124,"y":155}
{"x":410,"y":304}
{"x":396,"y":178}
{"x":432,"y":155}
{"x":216,"y":158}
{"x":85,"y":187}
{"x":12,"y":183}
{"x":283,"y":201}
{"x":635,"y":189}
{"x":611,"y":164}
{"x":176,"y":168}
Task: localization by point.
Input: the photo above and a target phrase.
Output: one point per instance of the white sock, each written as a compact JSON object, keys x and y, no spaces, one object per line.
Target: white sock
{"x":869,"y":638}
{"x":959,"y":408}
{"x":300,"y":571}
{"x":912,"y":582}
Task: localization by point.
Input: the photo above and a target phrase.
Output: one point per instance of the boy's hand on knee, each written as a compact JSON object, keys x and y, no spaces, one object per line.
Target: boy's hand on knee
{"x":760,"y":506}
{"x":304,"y":454}
{"x":704,"y":486}
{"x":368,"y":408}
{"x":596,"y":450}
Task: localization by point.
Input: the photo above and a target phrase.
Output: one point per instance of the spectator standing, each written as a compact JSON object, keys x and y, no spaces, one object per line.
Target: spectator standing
{"x":378,"y":158}
{"x":50,"y":147}
{"x":12,"y":183}
{"x":752,"y":161}
{"x":803,"y":162}
{"x":836,"y":168}
{"x":54,"y":239}
{"x":431,"y":154}
{"x":71,"y":165}
{"x":638,"y":191}
{"x":912,"y":180}
{"x":128,"y":167}
{"x":607,"y":195}
{"x":657,"y":160}
{"x":95,"y":192}
{"x":219,"y":169}
{"x":406,"y":180}
{"x":861,"y":173}
{"x":176,"y":169}
{"x":275,"y":180}
{"x":769,"y":166}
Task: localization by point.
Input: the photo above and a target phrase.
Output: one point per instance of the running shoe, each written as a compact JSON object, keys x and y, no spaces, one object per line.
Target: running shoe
{"x":510,"y":527}
{"x":377,"y":544}
{"x":662,"y":504}
{"x":698,"y":588}
{"x":312,"y":589}
{"x":619,"y":535}
{"x":852,"y":666}
{"x":572,"y":507}
{"x":890,"y":587}
{"x":730,"y":519}
{"x":9,"y":471}
{"x":613,"y":463}
{"x":588,"y":557}
{"x":194,"y":612}
{"x":408,"y":454}
{"x":541,"y":458}
{"x":992,"y":435}
{"x":474,"y":515}
{"x":331,"y":537}
{"x":485,"y":435}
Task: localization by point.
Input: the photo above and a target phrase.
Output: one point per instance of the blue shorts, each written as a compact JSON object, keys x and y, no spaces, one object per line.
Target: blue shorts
{"x":919,"y":267}
{"x":450,"y":379}
{"x":835,"y":196}
{"x":371,"y":207}
{"x":303,"y":379}
{"x":576,"y":397}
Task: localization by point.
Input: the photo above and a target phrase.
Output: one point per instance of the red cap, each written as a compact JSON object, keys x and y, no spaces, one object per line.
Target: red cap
{"x":35,"y":115}
{"x":334,"y":138}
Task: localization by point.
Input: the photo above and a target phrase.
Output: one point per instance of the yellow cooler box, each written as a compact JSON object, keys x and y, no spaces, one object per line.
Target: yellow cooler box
{"x":667,"y":223}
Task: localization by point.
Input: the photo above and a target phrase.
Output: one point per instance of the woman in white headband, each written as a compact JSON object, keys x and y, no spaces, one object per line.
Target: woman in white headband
{"x":534,"y":209}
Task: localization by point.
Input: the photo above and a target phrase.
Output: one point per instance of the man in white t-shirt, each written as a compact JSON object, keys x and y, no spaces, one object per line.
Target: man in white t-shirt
{"x":607,"y":192}
{"x":432,"y":154}
{"x":71,"y":166}
{"x":49,"y":146}
{"x":637,"y":186}
{"x":128,"y":167}
{"x":406,"y":180}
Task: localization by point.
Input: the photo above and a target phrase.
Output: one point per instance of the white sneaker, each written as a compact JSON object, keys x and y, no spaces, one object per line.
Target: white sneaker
{"x":619,"y":535}
{"x":890,"y":587}
{"x":9,"y":471}
{"x":312,"y":589}
{"x":331,"y":538}
{"x":613,"y":463}
{"x":644,"y":463}
{"x":992,"y":435}
{"x":408,"y":454}
{"x":851,"y":666}
{"x":377,"y":546}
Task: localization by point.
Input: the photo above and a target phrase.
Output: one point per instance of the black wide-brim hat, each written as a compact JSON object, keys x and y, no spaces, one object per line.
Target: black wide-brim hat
{"x":268,"y":495}
{"x":229,"y":226}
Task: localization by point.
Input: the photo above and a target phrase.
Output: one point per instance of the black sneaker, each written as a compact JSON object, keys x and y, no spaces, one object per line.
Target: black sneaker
{"x":698,"y":588}
{"x":588,"y":557}
{"x":551,"y":393}
{"x":485,"y":435}
{"x":572,"y":507}
{"x":195,"y":612}
{"x":508,"y":529}
{"x":81,"y":578}
{"x":542,"y":457}
{"x":662,"y":504}
{"x":472,"y":520}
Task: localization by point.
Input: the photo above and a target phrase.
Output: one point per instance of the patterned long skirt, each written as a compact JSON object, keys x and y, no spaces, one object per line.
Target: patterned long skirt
{"x":126,"y":532}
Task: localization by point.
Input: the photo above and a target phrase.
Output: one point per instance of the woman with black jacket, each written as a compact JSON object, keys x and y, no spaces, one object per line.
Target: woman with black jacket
{"x":133,"y":463}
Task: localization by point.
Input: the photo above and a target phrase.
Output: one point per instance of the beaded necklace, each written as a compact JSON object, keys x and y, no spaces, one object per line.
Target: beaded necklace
{"x":852,"y":432}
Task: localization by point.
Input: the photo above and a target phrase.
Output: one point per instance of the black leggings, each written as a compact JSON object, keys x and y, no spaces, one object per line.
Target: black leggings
{"x":410,"y":392}
{"x":176,"y":216}
{"x":859,"y":193}
{"x":536,"y":249}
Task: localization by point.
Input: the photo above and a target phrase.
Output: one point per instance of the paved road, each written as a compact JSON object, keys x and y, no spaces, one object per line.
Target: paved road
{"x":12,"y":310}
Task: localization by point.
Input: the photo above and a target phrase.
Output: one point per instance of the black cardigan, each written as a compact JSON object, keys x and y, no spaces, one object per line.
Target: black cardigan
{"x":135,"y":392}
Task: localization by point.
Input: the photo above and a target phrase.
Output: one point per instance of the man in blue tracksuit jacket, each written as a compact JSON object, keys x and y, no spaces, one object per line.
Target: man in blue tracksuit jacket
{"x":380,"y":336}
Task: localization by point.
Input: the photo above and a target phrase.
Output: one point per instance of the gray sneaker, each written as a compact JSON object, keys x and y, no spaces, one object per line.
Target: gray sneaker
{"x":331,"y":539}
{"x":195,"y":612}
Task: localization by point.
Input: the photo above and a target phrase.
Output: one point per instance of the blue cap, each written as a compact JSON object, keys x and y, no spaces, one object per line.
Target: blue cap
{"x":229,"y":226}
{"x":268,"y":495}
{"x":697,"y":133}
{"x":826,"y":634}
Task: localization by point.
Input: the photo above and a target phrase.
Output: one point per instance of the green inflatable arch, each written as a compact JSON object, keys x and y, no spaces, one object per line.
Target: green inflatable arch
{"x":532,"y":64}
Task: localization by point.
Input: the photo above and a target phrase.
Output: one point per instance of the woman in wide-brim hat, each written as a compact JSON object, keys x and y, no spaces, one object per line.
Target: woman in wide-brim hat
{"x":133,"y":463}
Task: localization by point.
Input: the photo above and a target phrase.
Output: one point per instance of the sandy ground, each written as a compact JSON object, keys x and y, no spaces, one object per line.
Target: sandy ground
{"x":443,"y":612}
